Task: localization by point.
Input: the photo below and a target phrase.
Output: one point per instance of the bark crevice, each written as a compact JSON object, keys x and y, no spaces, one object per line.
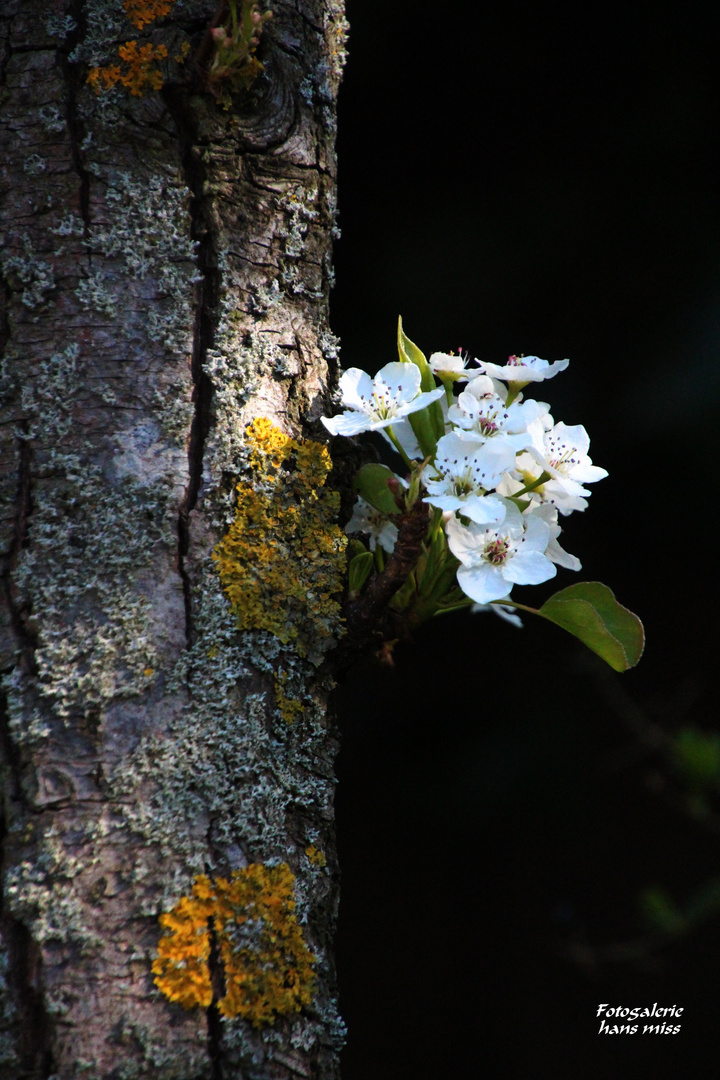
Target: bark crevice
{"x":24,"y":634}
{"x":24,"y":963}
{"x":33,"y":1028}
{"x":201,"y":230}
{"x":213,"y":1016}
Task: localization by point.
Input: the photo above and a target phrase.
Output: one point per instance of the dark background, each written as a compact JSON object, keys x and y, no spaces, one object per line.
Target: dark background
{"x":526,"y":178}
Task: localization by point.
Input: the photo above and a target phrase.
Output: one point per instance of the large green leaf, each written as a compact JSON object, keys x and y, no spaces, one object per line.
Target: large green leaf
{"x":372,"y":483}
{"x":590,"y":611}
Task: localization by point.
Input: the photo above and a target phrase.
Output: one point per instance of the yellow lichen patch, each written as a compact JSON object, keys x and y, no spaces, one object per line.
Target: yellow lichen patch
{"x":268,"y":444}
{"x":267,"y":966}
{"x":181,"y":968}
{"x":282,"y":562}
{"x":315,"y":855}
{"x":290,"y":708}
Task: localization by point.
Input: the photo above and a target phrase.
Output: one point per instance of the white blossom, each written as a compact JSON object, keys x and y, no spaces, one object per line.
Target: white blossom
{"x":560,"y":451}
{"x":448,"y":366}
{"x":483,"y":414}
{"x":373,"y":404}
{"x":366,"y":519}
{"x":464,"y":473}
{"x":524,"y":369}
{"x":495,"y":557}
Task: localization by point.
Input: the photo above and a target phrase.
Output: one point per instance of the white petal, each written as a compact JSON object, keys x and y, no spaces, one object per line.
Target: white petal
{"x":403,"y":380}
{"x":587,"y":473}
{"x":561,"y":557}
{"x":484,"y":509}
{"x":537,"y":533}
{"x":482,"y":583}
{"x":529,"y":568}
{"x":465,"y":541}
{"x":576,"y":436}
{"x":528,"y":369}
{"x":348,"y":423}
{"x":422,"y":400}
{"x":480,"y":384}
{"x":445,"y":502}
{"x":506,"y":612}
{"x":446,"y":364}
{"x":356,"y":387}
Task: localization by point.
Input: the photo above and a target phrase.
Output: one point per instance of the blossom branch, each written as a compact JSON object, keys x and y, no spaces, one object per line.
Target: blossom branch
{"x":367,"y":618}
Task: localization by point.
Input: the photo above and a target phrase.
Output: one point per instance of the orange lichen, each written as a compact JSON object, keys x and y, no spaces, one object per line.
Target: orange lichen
{"x":142,"y":12}
{"x":282,"y":561}
{"x":138,"y":73}
{"x":103,"y":78}
{"x":181,"y":969}
{"x":267,"y":966}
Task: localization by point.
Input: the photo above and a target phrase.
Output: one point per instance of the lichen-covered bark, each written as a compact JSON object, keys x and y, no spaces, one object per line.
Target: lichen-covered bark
{"x":165,"y":274}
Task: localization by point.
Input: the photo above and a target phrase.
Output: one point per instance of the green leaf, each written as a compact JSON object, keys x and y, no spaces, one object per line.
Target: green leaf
{"x":432,"y":416}
{"x":358,"y":572}
{"x":590,"y":611}
{"x":423,"y":426}
{"x":409,"y":353}
{"x":371,"y":482}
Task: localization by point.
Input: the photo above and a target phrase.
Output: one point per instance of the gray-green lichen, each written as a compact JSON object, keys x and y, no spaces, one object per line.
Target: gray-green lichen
{"x":300,"y":211}
{"x":51,"y":118}
{"x":48,"y":399}
{"x":34,"y":164}
{"x":60,"y":26}
{"x":92,"y":541}
{"x":105,"y":24}
{"x":41,"y":893}
{"x":28,"y":275}
{"x":154,"y":1057}
{"x":93,"y":293}
{"x":147,"y":228}
{"x":70,"y":225}
{"x":222,"y":762}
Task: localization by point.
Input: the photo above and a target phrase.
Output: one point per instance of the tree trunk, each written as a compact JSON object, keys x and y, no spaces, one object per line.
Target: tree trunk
{"x":166,"y":270}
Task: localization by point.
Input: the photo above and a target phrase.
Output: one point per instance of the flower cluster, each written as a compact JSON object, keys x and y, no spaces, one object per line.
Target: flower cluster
{"x":495,"y":467}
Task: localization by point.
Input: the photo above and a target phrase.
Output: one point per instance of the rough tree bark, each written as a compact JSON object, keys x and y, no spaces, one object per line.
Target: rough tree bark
{"x":165,"y":279}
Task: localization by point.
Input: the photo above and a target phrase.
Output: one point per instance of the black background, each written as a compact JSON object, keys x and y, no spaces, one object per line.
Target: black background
{"x":526,"y":178}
